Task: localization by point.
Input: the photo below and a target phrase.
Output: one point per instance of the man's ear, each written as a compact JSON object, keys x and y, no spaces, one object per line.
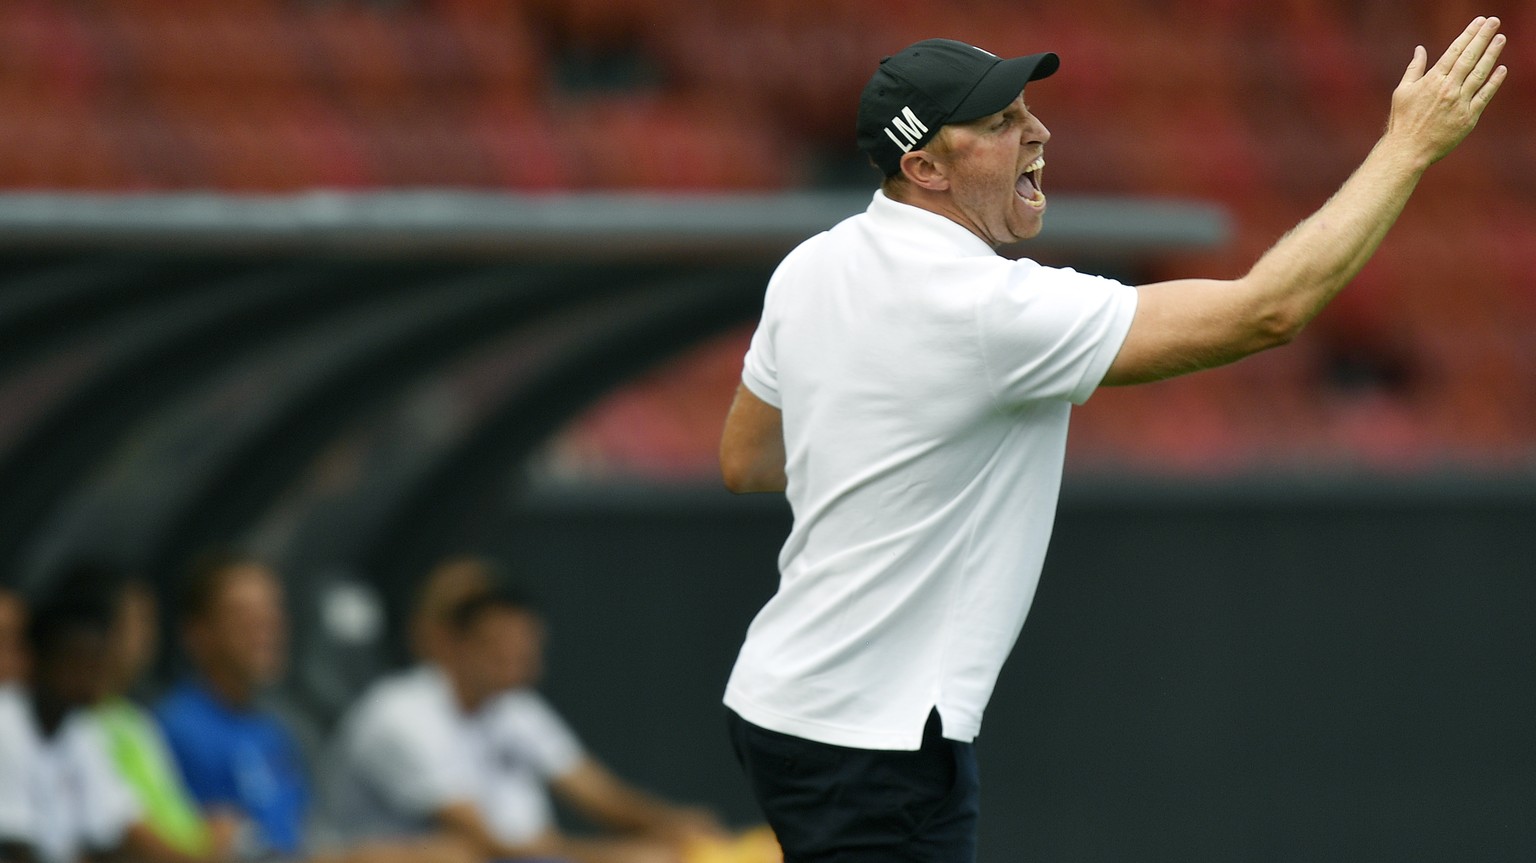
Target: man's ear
{"x":923,"y":171}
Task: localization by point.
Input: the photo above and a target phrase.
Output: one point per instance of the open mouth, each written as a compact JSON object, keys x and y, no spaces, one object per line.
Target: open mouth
{"x":1028,"y":185}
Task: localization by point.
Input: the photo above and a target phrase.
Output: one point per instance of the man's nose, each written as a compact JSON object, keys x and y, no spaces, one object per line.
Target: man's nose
{"x":1038,"y":134}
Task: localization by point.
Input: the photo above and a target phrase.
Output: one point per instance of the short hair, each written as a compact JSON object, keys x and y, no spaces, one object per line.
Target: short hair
{"x":83,"y":599}
{"x":939,"y":145}
{"x":206,"y":577}
{"x":501,"y":593}
{"x":449,"y":583}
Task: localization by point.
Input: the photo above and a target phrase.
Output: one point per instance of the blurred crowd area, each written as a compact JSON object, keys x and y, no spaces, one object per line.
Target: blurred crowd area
{"x":1427,"y":363}
{"x":456,"y":759}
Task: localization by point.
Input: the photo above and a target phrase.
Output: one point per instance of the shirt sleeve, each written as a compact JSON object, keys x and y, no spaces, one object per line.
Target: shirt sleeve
{"x":405,"y":753}
{"x":18,"y":817}
{"x":107,"y":806}
{"x":1049,"y":333}
{"x":760,"y":371}
{"x":533,"y":727}
{"x":205,"y":778}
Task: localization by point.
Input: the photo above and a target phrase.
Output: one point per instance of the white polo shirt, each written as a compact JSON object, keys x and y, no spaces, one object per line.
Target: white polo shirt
{"x":20,"y":753}
{"x":61,"y":795}
{"x":407,"y":750}
{"x":925,"y":384}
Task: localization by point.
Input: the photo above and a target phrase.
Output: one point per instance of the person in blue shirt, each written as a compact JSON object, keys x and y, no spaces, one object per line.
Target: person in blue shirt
{"x":237,"y":757}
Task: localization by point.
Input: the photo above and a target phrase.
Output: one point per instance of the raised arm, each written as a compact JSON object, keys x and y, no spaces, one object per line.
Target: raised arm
{"x":1192,"y":324}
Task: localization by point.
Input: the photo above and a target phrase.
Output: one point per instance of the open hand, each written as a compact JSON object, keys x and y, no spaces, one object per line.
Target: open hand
{"x":1434,"y":108}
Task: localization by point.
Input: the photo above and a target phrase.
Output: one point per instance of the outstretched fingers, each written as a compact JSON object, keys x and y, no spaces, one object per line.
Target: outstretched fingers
{"x":1474,"y":51}
{"x":1434,"y":109}
{"x":1482,"y":97}
{"x":1453,"y":53}
{"x":1479,"y":76}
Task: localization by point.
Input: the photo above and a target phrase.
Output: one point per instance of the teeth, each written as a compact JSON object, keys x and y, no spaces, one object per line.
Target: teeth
{"x":1035,"y":165}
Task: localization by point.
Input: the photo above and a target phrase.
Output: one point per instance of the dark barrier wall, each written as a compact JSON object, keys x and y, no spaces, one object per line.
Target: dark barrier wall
{"x":1334,"y":673}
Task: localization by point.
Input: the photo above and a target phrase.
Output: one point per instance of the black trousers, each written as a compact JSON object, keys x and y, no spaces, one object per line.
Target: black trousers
{"x":834,"y":804}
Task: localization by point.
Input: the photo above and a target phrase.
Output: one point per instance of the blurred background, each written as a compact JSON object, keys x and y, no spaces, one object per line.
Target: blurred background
{"x":357,"y":284}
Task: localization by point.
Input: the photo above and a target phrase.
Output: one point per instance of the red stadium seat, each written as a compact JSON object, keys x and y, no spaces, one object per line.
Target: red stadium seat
{"x":1264,"y":108}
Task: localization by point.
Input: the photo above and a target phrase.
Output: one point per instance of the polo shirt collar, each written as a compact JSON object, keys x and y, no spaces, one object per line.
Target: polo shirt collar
{"x":200,"y":693}
{"x":917,"y":226}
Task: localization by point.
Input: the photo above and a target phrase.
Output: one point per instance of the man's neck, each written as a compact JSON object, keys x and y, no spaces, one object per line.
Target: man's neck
{"x":230,"y":689}
{"x":938,"y":204}
{"x":466,"y":695}
{"x":50,"y":713}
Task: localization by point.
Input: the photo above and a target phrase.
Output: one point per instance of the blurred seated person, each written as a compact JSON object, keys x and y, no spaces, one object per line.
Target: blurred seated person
{"x":61,"y":798}
{"x":446,"y":586}
{"x":463,"y":744}
{"x":238,"y":758}
{"x":16,"y":728}
{"x":137,"y":747}
{"x":13,"y":616}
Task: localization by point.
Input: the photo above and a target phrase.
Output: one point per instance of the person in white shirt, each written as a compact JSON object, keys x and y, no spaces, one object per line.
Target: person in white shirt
{"x":60,"y":796}
{"x":909,"y":390}
{"x":16,"y":732}
{"x":464,"y":745}
{"x":20,"y":751}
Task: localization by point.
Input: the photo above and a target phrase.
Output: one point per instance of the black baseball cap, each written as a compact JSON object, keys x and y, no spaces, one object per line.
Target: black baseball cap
{"x":933,"y":82}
